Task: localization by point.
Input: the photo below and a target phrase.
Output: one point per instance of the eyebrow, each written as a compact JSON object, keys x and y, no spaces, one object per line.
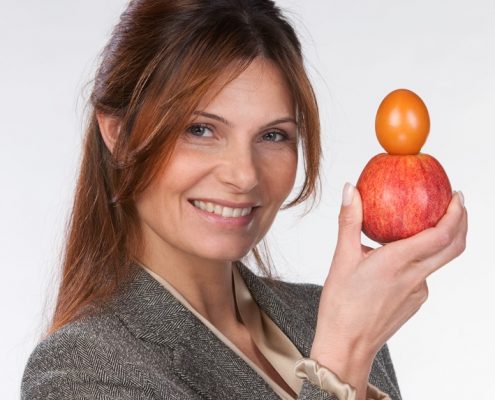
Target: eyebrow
{"x":224,"y":121}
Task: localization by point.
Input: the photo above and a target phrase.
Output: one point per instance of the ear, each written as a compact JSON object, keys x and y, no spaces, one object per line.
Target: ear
{"x":109,"y":128}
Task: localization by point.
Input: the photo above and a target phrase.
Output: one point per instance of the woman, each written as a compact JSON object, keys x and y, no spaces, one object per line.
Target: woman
{"x":199,"y":109}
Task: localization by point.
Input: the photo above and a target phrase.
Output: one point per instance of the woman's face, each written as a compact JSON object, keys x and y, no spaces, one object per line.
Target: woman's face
{"x":229,"y":174}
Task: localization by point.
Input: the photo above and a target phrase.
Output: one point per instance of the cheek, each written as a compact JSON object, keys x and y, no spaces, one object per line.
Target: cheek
{"x":157,"y":198}
{"x":183,"y":171}
{"x":279,"y":175}
{"x":148,"y":204}
{"x":280,"y":169}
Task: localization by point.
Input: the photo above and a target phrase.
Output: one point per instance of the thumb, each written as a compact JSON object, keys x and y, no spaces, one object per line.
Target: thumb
{"x":350,"y":220}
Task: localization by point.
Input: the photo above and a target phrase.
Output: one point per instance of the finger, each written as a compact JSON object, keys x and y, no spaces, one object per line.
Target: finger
{"x":421,"y":290}
{"x":456,"y":247}
{"x":432,"y":240}
{"x":434,"y":244}
{"x":366,"y":250}
{"x":350,"y":220}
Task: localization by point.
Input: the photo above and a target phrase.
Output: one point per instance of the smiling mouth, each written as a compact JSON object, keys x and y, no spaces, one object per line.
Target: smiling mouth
{"x":226,"y":212}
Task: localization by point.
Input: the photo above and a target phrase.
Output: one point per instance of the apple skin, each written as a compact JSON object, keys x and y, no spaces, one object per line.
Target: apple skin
{"x":402,"y":195}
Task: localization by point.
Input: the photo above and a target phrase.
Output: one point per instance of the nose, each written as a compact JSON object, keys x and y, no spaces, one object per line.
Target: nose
{"x":239,"y":168}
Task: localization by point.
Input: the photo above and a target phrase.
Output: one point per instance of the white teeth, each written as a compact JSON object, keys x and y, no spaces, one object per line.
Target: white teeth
{"x":227,"y":212}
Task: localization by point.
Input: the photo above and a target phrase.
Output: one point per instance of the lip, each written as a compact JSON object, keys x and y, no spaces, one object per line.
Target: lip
{"x":226,"y":221}
{"x":225,"y":203}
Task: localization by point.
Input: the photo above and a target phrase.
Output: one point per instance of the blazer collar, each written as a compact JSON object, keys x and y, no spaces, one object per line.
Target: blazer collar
{"x":201,"y":359}
{"x":269,"y":298}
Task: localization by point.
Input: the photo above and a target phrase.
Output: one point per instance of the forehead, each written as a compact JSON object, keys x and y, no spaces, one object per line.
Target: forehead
{"x":261,"y":84}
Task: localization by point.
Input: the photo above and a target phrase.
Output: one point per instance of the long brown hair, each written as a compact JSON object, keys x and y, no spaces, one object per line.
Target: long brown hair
{"x":161,"y":59}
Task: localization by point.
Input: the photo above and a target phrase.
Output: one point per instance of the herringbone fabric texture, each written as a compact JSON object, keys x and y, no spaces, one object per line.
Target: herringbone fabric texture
{"x":147,"y":345}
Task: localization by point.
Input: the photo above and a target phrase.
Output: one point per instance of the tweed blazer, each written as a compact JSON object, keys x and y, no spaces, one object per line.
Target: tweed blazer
{"x":145,"y":344}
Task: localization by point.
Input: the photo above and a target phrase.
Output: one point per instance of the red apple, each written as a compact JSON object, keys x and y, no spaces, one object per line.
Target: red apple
{"x":402,"y":195}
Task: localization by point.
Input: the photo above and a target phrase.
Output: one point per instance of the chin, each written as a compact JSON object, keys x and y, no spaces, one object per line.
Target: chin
{"x":231,"y":254}
{"x":219,"y":248}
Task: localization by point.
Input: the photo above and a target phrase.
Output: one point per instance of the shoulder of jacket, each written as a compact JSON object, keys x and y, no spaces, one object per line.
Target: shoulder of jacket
{"x":102,"y":334}
{"x":94,"y":330}
{"x":98,"y":348}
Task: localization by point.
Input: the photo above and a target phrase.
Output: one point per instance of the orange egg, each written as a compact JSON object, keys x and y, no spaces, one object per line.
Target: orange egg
{"x":402,"y":122}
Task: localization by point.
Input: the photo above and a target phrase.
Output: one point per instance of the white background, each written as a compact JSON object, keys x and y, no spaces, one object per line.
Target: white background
{"x":356,"y":53}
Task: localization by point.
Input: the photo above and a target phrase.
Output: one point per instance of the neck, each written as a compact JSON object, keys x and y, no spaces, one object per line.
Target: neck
{"x":205,"y":284}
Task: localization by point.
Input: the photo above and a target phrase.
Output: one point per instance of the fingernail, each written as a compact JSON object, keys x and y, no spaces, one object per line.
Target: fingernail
{"x":347,"y":194}
{"x":461,"y":197}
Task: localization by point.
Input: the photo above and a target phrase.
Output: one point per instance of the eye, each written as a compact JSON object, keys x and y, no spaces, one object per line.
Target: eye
{"x":275,"y":136}
{"x":200,"y":130}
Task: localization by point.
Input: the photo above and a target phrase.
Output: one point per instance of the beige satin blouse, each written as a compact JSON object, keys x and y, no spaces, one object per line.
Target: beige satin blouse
{"x":275,"y":346}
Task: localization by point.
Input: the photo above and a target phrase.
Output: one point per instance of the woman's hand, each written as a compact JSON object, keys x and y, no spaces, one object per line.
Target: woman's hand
{"x":370,"y":293}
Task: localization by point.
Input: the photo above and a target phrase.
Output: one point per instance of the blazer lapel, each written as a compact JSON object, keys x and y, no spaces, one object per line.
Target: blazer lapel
{"x":300,"y":331}
{"x":199,"y":358}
